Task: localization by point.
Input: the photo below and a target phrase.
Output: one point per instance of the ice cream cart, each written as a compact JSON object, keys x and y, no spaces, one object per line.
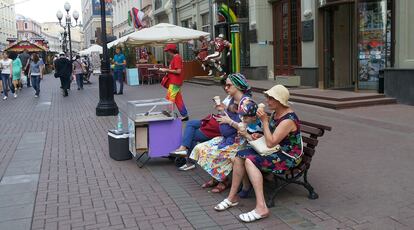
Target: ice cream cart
{"x":154,"y":129}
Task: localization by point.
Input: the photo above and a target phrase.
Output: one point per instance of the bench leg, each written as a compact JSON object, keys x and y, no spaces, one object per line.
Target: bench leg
{"x":312,"y":194}
{"x":271,"y":201}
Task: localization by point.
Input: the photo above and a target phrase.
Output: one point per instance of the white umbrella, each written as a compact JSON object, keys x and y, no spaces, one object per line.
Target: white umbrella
{"x":160,"y":34}
{"x":164,"y":33}
{"x":93,"y":48}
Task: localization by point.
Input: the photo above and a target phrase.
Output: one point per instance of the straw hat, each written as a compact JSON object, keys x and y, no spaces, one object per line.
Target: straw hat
{"x":280,"y":93}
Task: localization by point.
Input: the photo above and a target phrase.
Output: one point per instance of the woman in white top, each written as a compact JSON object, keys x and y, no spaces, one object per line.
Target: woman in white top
{"x":6,"y":73}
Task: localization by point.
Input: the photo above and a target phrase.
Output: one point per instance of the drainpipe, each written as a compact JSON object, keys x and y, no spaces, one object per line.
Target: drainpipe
{"x":174,"y":11}
{"x":210,"y":9}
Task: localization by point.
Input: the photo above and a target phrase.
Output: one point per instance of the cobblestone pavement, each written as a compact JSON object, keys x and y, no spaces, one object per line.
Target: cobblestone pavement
{"x":361,"y":170}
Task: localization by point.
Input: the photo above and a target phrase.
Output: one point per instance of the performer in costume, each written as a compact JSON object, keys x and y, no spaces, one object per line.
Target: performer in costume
{"x":219,"y":44}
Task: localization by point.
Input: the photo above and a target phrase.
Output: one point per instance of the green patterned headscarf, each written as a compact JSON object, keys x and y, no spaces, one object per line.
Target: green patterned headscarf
{"x":240,"y":82}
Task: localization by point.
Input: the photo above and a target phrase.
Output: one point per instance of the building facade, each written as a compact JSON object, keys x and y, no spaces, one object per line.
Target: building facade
{"x":121,"y":25}
{"x":53,"y":33}
{"x":91,"y":16}
{"x":27,"y":29}
{"x":357,"y":45}
{"x":7,"y":22}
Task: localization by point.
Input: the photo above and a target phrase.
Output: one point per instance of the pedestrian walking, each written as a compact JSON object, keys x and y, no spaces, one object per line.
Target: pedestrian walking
{"x":63,"y":70}
{"x":175,"y":80}
{"x":6,"y":73}
{"x":78,"y":70}
{"x":16,"y":72}
{"x":120,"y":63}
{"x":36,"y":72}
{"x":25,"y":59}
{"x":87,"y":64}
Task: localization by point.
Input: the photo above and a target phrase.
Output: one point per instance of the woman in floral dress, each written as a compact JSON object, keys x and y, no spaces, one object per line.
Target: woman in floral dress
{"x":281,"y":128}
{"x":215,"y":159}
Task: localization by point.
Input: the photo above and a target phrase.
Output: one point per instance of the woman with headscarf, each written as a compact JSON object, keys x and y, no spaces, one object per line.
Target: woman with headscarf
{"x":215,"y":156}
{"x":281,"y":128}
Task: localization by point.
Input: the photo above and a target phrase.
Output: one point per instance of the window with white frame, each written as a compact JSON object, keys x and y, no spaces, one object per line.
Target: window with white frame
{"x":205,"y":22}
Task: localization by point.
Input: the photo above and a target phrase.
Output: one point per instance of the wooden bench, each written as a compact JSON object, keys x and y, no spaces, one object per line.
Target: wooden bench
{"x":299,"y":175}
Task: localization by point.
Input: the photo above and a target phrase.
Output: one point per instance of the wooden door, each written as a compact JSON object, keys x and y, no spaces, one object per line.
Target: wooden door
{"x":286,"y":34}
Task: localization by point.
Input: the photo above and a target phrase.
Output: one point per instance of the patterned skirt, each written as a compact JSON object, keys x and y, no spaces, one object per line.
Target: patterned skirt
{"x":216,"y":162}
{"x":277,"y":162}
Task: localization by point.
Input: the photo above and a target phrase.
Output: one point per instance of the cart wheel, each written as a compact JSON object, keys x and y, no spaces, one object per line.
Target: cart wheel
{"x":180,"y":161}
{"x":171,"y":158}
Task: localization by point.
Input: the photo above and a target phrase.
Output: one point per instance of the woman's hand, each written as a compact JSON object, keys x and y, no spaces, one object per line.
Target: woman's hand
{"x":224,"y":119}
{"x":164,"y":70}
{"x":256,"y":136}
{"x":262,"y":115}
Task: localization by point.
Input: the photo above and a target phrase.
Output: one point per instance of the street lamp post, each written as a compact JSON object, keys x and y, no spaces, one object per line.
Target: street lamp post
{"x":68,"y":23}
{"x":106,"y":105}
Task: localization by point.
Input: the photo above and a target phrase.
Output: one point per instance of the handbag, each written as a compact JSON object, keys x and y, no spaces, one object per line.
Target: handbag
{"x":24,"y":79}
{"x":259,"y":145}
{"x":82,"y":67}
{"x":164,"y":82}
{"x":210,"y":126}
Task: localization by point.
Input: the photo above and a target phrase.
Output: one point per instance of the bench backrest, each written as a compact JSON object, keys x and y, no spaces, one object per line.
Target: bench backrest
{"x":310,"y":133}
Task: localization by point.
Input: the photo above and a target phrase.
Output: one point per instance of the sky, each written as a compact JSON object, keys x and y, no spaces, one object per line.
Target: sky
{"x":45,"y":10}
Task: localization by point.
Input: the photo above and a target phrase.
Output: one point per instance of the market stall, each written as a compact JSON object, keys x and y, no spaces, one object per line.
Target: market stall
{"x":90,"y":50}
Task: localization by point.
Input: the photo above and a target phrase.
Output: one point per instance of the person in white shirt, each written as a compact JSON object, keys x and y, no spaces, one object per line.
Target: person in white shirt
{"x":6,"y":73}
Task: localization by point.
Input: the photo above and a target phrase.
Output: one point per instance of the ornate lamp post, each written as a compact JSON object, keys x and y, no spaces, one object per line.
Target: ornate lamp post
{"x":68,"y":23}
{"x":106,"y":105}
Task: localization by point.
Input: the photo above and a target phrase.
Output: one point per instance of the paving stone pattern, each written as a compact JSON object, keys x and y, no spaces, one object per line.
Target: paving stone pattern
{"x":81,"y":187}
{"x":18,"y":185}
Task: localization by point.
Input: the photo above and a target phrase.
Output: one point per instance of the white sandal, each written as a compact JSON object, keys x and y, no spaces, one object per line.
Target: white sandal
{"x":225,"y":204}
{"x":250,"y":216}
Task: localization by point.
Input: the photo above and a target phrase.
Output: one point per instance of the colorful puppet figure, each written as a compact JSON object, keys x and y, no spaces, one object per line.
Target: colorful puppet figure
{"x":202,"y":52}
{"x":219,"y":44}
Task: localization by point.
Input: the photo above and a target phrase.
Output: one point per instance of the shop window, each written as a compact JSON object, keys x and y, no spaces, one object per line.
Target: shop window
{"x":205,"y":22}
{"x":157,"y":4}
{"x":375,"y":42}
{"x":188,"y":53}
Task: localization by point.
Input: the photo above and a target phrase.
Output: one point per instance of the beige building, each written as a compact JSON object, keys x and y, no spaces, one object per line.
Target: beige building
{"x":92,"y":21}
{"x":7,"y":22}
{"x":53,"y":33}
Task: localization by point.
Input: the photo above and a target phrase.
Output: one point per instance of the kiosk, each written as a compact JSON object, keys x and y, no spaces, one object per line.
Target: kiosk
{"x":154,"y":129}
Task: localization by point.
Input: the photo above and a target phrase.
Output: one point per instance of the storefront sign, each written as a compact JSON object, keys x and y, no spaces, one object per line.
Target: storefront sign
{"x":322,"y":3}
{"x":234,"y":28}
{"x":307,"y":31}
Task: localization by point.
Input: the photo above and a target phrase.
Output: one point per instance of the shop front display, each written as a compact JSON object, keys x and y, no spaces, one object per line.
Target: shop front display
{"x":374,"y":31}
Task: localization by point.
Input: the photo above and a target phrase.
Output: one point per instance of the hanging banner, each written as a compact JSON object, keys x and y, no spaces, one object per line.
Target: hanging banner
{"x":96,"y":7}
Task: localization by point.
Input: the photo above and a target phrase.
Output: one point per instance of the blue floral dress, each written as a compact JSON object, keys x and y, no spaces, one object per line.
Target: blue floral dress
{"x":290,"y":154}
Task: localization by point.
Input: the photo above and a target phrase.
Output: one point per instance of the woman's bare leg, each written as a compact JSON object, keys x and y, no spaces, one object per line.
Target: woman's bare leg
{"x":256,"y":179}
{"x":238,"y":173}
